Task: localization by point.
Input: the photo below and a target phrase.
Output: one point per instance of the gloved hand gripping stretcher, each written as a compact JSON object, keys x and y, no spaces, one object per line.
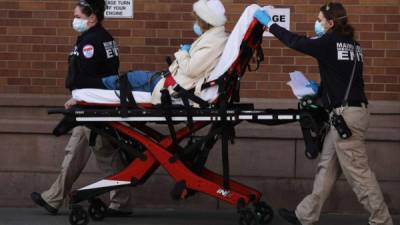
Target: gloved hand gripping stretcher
{"x":123,"y":118}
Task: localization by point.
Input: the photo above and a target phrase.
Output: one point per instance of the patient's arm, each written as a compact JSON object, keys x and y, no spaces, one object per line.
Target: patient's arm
{"x":195,"y":65}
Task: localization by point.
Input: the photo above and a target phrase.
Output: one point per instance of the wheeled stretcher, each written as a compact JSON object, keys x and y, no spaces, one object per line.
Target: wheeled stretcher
{"x":124,"y":116}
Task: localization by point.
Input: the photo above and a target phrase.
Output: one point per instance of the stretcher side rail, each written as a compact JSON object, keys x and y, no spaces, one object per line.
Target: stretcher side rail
{"x":235,"y":113}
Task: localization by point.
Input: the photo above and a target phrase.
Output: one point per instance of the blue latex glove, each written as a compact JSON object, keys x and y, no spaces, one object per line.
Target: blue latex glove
{"x":313,"y":85}
{"x":263,"y":17}
{"x":185,"y":47}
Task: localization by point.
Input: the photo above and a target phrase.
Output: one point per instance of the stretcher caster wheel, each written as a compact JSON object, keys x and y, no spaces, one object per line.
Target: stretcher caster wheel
{"x":78,"y":216}
{"x":264,"y":213}
{"x":247,"y":217}
{"x":97,"y":209}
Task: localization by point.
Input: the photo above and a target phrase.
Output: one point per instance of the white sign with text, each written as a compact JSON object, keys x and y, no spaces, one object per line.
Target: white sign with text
{"x":119,"y":9}
{"x":280,"y":16}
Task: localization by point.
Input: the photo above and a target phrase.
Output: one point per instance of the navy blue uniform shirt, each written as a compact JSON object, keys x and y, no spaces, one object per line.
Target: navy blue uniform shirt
{"x":335,"y":55}
{"x":94,"y":56}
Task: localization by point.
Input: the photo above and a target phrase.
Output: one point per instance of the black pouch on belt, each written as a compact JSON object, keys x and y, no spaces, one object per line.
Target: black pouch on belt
{"x":341,"y":126}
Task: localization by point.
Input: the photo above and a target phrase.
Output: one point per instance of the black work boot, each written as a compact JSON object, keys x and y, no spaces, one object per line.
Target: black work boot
{"x":289,"y":216}
{"x":38,"y":200}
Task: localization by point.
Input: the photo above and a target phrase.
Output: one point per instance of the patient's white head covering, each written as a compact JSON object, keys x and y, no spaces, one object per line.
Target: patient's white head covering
{"x":211,"y":11}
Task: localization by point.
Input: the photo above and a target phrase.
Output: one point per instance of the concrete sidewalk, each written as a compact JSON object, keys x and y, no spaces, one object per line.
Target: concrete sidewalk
{"x":36,"y":216}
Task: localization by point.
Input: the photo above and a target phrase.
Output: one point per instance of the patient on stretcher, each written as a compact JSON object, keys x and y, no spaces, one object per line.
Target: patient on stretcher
{"x":205,"y":61}
{"x":193,"y":63}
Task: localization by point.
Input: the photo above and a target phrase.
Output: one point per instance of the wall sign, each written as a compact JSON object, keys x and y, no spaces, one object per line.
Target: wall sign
{"x":280,"y":16}
{"x":119,"y":9}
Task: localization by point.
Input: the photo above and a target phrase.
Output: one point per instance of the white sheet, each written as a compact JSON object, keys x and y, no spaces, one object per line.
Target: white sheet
{"x":231,"y":51}
{"x":107,"y":96}
{"x":229,"y":55}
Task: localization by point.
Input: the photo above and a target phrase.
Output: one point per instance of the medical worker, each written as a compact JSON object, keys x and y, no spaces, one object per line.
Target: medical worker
{"x":193,"y":63}
{"x":336,"y":52}
{"x":94,"y":56}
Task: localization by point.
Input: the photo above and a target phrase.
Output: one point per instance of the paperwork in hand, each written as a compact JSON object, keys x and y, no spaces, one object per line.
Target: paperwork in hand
{"x":298,"y":82}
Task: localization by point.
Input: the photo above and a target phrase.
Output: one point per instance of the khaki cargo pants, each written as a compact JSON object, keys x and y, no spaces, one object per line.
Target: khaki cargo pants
{"x":77,"y":153}
{"x":350,"y":158}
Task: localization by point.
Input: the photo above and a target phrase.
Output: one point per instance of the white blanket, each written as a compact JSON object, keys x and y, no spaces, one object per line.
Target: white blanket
{"x":229,"y":55}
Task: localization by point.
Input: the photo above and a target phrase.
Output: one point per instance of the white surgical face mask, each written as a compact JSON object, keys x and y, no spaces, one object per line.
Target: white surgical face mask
{"x":80,"y":25}
{"x":197,"y":29}
{"x":319,"y":29}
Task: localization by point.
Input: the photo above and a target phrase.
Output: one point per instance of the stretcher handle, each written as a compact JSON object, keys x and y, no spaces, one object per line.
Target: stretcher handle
{"x":58,"y":111}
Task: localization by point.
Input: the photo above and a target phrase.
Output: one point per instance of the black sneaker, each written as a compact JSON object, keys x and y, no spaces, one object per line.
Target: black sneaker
{"x":289,"y":216}
{"x":38,"y":200}
{"x":117,"y":213}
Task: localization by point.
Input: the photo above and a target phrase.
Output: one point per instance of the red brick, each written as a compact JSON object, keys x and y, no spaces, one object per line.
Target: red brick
{"x":374,"y":53}
{"x":31,"y":73}
{"x":45,"y":14}
{"x":386,"y":44}
{"x":392,"y":87}
{"x":145,"y":16}
{"x":9,"y":5}
{"x":19,"y":48}
{"x":58,"y":5}
{"x":169,"y":16}
{"x":248,"y":85}
{"x":43,"y":48}
{"x":374,"y":87}
{"x":374,"y":70}
{"x":31,"y":39}
{"x":386,"y":27}
{"x":32,"y":5}
{"x":9,"y":56}
{"x":393,"y":36}
{"x":8,"y":72}
{"x":385,"y":96}
{"x":31,"y":23}
{"x":43,"y":82}
{"x":121,"y":33}
{"x":372,"y":36}
{"x":19,"y":14}
{"x":281,"y":60}
{"x":386,"y":62}
{"x":392,"y":70}
{"x":393,"y":18}
{"x":18,"y":81}
{"x":385,"y":79}
{"x":43,"y":65}
{"x":32,"y":56}
{"x":44,"y":31}
{"x":166,"y":50}
{"x":393,"y":53}
{"x":9,"y":22}
{"x":19,"y":64}
{"x":268,"y":86}
{"x":30,"y":89}
{"x":372,"y":18}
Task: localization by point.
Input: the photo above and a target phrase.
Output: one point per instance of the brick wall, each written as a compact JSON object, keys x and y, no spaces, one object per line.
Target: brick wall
{"x":35,"y":37}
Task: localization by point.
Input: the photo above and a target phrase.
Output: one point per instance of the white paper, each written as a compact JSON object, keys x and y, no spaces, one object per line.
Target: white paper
{"x":298,"y":84}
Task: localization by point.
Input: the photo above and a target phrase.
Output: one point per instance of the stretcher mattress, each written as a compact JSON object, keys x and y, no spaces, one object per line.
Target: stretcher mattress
{"x":230,"y":54}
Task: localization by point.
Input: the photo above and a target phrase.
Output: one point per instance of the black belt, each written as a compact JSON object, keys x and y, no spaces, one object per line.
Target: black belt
{"x":354,"y":104}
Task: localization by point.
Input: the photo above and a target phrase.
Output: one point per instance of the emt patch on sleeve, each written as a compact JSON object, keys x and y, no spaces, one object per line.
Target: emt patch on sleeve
{"x":88,"y":51}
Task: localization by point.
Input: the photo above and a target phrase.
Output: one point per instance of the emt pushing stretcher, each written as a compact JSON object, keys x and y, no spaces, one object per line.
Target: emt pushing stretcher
{"x":208,"y":101}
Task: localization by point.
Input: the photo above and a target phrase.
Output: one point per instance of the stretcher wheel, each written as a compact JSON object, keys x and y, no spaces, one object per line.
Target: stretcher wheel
{"x":78,"y":216}
{"x":247,"y":217}
{"x":264,"y":213}
{"x":97,"y":209}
